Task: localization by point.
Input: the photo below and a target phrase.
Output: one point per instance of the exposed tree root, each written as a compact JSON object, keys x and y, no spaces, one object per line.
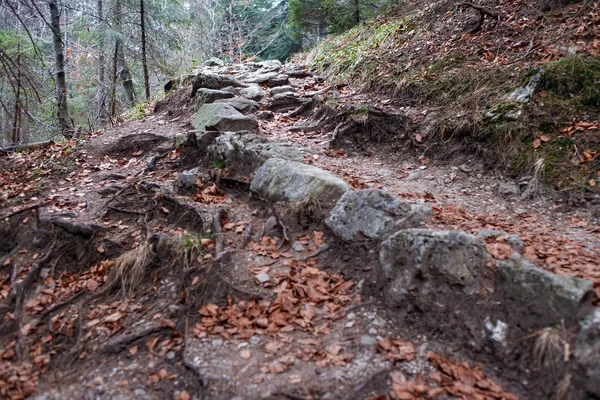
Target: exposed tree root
{"x":189,"y":364}
{"x":23,"y":210}
{"x":483,"y":12}
{"x":154,"y":159}
{"x":120,"y":343}
{"x":218,"y":232}
{"x":74,"y":228}
{"x":246,"y":238}
{"x":281,"y":223}
{"x":28,"y":146}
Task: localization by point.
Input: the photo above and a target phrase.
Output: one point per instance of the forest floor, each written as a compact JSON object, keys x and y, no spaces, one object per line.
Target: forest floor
{"x":244,"y":313}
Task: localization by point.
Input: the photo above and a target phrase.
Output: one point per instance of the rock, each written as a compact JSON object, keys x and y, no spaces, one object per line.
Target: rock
{"x":262,"y":278}
{"x":222,"y":117}
{"x":253,"y":92}
{"x":525,"y":94}
{"x":249,"y":151}
{"x":281,"y":89}
{"x":435,"y":270}
{"x":213,"y":81}
{"x":508,"y":190}
{"x":268,"y":115}
{"x":534,"y":298}
{"x":245,"y":106}
{"x":413,"y":176}
{"x":172,"y":84}
{"x":270,"y":65}
{"x":279,"y":179}
{"x":585,"y":363}
{"x":279,"y":80}
{"x":187,"y":179}
{"x":204,"y":96}
{"x":214,"y":62}
{"x":271,"y":224}
{"x":368,"y":341}
{"x":260,"y":77}
{"x":298,"y":247}
{"x":373,"y":214}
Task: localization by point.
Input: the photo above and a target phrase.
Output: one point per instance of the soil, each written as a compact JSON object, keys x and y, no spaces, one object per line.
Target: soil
{"x":188,"y":316}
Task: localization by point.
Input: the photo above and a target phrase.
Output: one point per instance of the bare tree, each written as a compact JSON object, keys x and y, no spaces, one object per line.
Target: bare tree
{"x":101,"y":94}
{"x":144,"y":58}
{"x":124,"y":72}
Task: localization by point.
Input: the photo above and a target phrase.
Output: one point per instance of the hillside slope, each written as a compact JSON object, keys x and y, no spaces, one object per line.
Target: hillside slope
{"x":523,"y":89}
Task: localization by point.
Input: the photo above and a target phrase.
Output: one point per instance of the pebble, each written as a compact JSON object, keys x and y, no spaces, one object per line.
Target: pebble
{"x":171,"y":355}
{"x":217,"y":342}
{"x":298,"y":247}
{"x":368,"y":341}
{"x":373,"y":331}
{"x":263,"y":278}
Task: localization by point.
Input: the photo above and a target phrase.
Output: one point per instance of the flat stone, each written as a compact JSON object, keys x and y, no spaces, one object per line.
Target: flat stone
{"x":373,"y":214}
{"x":282,"y":89}
{"x":253,"y":92}
{"x":262,"y":278}
{"x":222,"y":117}
{"x":214,"y":62}
{"x":535,"y":298}
{"x":298,"y":247}
{"x":279,"y":80}
{"x":585,"y":363}
{"x":282,"y":180}
{"x":213,"y":81}
{"x":368,"y":341}
{"x":243,"y":105}
{"x":260,"y":77}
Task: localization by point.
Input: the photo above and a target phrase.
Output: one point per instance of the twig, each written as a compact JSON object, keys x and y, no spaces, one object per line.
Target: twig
{"x":323,"y":248}
{"x":327,"y":89}
{"x":188,"y":363}
{"x":61,"y":305}
{"x":121,"y":210}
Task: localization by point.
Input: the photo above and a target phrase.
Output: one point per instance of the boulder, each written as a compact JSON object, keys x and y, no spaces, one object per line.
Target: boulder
{"x":525,"y":93}
{"x":245,"y":106}
{"x":434,"y":271}
{"x":269,"y":65}
{"x":253,"y":92}
{"x":585,"y":363}
{"x":285,"y":100}
{"x":213,"y":81}
{"x":265,"y":115}
{"x":373,"y":214}
{"x":248,"y":151}
{"x":535,"y":299}
{"x":204,"y":96}
{"x":284,"y":180}
{"x":222,"y":117}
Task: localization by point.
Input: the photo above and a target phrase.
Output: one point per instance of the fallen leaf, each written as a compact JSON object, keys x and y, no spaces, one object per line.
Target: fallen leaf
{"x":184,"y":396}
{"x":245,"y":355}
{"x":133,"y":350}
{"x":91,"y":285}
{"x":295,"y":379}
{"x":537,"y":143}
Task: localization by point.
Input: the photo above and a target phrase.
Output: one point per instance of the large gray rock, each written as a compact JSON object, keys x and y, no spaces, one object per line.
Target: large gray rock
{"x":245,"y":106}
{"x":525,"y":93}
{"x":253,"y":92}
{"x":283,"y":180}
{"x":373,"y":214}
{"x":279,"y":80}
{"x":222,"y":117}
{"x":435,"y":271}
{"x":213,"y":81}
{"x":269,"y":65}
{"x":206,"y":96}
{"x":246,"y":152}
{"x":282,"y":89}
{"x":285,"y":100}
{"x":214,"y":62}
{"x":585,"y":363}
{"x":534,"y":298}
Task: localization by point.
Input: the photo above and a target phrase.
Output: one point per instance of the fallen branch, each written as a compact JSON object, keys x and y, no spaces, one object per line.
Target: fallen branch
{"x":119,"y":344}
{"x":483,"y":12}
{"x":327,"y":89}
{"x":61,"y":305}
{"x":317,"y":253}
{"x":203,"y":379}
{"x":28,"y":146}
{"x":123,"y":211}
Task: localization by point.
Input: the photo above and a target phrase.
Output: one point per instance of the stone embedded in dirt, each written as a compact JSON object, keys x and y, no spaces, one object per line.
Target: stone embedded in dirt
{"x":284,"y":100}
{"x":265,"y":115}
{"x":213,"y":81}
{"x":282,"y":89}
{"x":282,"y":180}
{"x":525,"y":93}
{"x":298,"y":247}
{"x":253,"y":92}
{"x":222,"y":117}
{"x":430,"y":269}
{"x":249,"y":151}
{"x":245,"y":106}
{"x":535,"y":298}
{"x":269,"y":65}
{"x":585,"y":363}
{"x":373,"y":214}
{"x":205,"y":96}
{"x":187,"y":179}
{"x":508,"y":190}
{"x":262,"y":278}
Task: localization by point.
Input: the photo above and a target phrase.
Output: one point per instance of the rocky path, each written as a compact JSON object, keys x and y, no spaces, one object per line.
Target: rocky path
{"x":222,"y":248}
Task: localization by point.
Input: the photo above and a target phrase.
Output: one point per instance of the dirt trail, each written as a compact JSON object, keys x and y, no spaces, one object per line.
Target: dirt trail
{"x":157,"y":302}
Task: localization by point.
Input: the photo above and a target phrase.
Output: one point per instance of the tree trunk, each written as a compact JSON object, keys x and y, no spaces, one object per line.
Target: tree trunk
{"x":113,"y":97}
{"x":64,"y":121}
{"x":125,"y":73}
{"x":144,"y":58}
{"x":16,"y":123}
{"x":357,"y":11}
{"x":101,"y":95}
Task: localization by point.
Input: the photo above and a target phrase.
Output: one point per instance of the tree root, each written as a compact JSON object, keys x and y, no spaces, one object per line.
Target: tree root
{"x":280,"y":222}
{"x":247,"y":236}
{"x":118,"y":344}
{"x":26,"y":209}
{"x":154,"y":159}
{"x":74,"y":228}
{"x":218,"y":232}
{"x":483,"y":12}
